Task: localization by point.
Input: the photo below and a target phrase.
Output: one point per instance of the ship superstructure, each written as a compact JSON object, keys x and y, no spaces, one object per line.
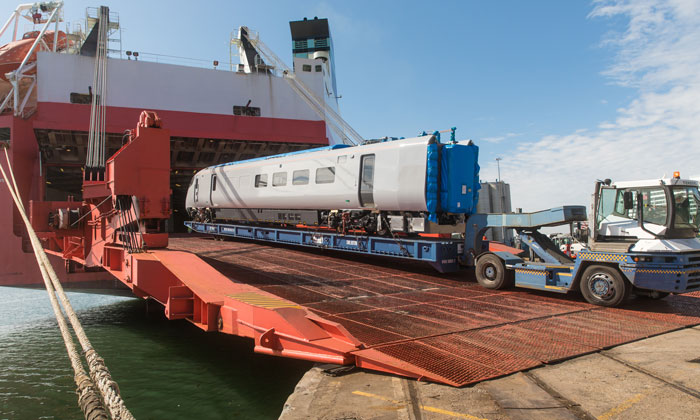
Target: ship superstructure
{"x":214,"y":114}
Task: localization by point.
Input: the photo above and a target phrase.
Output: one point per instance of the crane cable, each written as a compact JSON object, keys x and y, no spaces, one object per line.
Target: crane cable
{"x":336,"y":122}
{"x":95,"y":160}
{"x":89,"y":401}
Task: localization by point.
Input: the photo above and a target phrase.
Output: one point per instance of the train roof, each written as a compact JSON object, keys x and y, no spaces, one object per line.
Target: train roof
{"x":298,"y":152}
{"x":317,"y":149}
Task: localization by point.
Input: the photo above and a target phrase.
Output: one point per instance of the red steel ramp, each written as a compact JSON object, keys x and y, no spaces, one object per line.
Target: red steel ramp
{"x":406,"y":319}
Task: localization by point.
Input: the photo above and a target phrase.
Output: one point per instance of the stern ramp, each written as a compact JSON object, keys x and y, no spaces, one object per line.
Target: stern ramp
{"x":408,"y":321}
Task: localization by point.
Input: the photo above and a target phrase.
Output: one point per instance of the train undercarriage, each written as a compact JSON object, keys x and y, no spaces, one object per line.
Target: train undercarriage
{"x":371,"y":222}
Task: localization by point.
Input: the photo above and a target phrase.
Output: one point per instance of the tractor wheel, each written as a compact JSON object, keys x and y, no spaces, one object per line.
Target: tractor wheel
{"x":491,"y":272}
{"x":604,"y":286}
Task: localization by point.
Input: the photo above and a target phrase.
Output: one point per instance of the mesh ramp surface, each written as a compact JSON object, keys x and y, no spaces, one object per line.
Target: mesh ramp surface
{"x":445,"y":328}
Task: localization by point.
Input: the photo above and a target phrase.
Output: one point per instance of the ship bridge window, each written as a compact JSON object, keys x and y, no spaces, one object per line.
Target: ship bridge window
{"x":261,"y":181}
{"x":246,"y":111}
{"x":80,"y":98}
{"x":325,"y":175}
{"x":279,"y":179}
{"x":300,"y":177}
{"x":306,"y":67}
{"x":319,"y":68}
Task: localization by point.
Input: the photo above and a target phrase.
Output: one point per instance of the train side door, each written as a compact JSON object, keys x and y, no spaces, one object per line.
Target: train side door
{"x":212,"y":189}
{"x":367,"y":181}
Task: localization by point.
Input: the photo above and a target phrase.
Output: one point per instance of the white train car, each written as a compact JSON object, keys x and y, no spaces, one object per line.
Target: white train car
{"x":372,"y":186}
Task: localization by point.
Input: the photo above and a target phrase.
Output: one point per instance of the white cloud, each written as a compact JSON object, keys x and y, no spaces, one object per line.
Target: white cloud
{"x":657,"y":133}
{"x":499,"y":139}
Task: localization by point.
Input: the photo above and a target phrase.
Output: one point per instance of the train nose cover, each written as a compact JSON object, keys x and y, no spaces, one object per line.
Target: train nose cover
{"x":459,"y":178}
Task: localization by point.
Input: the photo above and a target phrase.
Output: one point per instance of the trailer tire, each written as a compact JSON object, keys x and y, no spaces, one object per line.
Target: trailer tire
{"x":604,"y":286}
{"x":491,"y":272}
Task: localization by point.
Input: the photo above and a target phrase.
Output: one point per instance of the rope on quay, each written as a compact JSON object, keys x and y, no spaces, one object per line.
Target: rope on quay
{"x":89,"y":401}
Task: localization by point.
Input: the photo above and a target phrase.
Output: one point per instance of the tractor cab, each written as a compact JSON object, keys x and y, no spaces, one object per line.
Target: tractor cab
{"x":654,"y":215}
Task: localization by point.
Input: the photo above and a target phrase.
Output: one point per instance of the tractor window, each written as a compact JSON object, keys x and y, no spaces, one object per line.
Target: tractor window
{"x":686,"y":204}
{"x":655,"y":207}
{"x":612,"y":203}
{"x":606,"y":204}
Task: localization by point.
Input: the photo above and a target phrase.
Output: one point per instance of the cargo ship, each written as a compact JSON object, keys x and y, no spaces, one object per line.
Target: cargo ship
{"x":215,"y":113}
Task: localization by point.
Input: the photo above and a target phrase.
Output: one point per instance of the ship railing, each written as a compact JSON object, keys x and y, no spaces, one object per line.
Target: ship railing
{"x":181,"y":61}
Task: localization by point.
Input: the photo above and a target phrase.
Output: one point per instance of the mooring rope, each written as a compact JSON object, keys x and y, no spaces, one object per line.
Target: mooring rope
{"x":99,"y":373}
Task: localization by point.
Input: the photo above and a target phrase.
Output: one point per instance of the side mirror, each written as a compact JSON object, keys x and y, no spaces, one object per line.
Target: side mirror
{"x":628,"y":199}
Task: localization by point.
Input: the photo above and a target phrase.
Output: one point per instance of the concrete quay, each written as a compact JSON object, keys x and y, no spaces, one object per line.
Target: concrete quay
{"x":654,"y":378}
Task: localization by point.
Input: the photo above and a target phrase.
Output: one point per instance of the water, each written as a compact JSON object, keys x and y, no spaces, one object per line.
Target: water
{"x":165,"y":369}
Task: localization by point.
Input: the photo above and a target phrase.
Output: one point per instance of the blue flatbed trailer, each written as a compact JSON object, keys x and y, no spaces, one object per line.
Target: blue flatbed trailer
{"x":442,"y":254}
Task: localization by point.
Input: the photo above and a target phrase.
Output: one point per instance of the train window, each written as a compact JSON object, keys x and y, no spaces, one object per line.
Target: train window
{"x":213,"y":182}
{"x":279,"y":179}
{"x":342,"y":158}
{"x":300,"y":177}
{"x":367,"y":181}
{"x":325,"y":175}
{"x":260,"y":180}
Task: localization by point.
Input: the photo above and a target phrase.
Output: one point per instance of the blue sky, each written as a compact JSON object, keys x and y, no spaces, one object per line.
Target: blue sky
{"x":564,"y":91}
{"x":489,"y":68}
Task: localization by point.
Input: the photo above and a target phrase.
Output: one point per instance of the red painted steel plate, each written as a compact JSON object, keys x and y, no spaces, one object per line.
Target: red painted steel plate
{"x":445,"y":328}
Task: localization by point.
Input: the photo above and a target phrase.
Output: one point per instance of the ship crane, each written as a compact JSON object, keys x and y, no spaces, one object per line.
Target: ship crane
{"x":333,"y":120}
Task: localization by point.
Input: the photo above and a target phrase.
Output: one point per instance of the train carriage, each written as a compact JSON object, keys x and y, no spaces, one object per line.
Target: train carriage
{"x":397,"y":185}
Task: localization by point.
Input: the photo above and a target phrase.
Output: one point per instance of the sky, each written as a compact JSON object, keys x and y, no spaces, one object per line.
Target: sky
{"x":565,"y":92}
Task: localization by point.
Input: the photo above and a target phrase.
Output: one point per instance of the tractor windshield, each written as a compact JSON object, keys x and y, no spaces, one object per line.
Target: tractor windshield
{"x":655,"y":207}
{"x":668,"y":211}
{"x":686,"y":206}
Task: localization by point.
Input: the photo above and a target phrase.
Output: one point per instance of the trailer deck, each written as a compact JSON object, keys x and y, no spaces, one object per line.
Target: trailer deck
{"x":418,"y":323}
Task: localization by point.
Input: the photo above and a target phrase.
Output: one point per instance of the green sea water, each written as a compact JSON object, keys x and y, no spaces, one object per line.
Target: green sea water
{"x":165,"y":369}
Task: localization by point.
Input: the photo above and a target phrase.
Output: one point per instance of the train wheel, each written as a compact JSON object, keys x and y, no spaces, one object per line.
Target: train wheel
{"x":604,"y":286}
{"x":208,"y":216}
{"x":491,"y":272}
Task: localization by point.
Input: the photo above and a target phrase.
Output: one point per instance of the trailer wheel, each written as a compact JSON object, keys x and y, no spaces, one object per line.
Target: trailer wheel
{"x":491,"y":272}
{"x":604,"y":286}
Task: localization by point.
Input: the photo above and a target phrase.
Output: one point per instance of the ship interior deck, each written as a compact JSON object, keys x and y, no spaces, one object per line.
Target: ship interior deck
{"x":63,"y":155}
{"x":444,"y":328}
